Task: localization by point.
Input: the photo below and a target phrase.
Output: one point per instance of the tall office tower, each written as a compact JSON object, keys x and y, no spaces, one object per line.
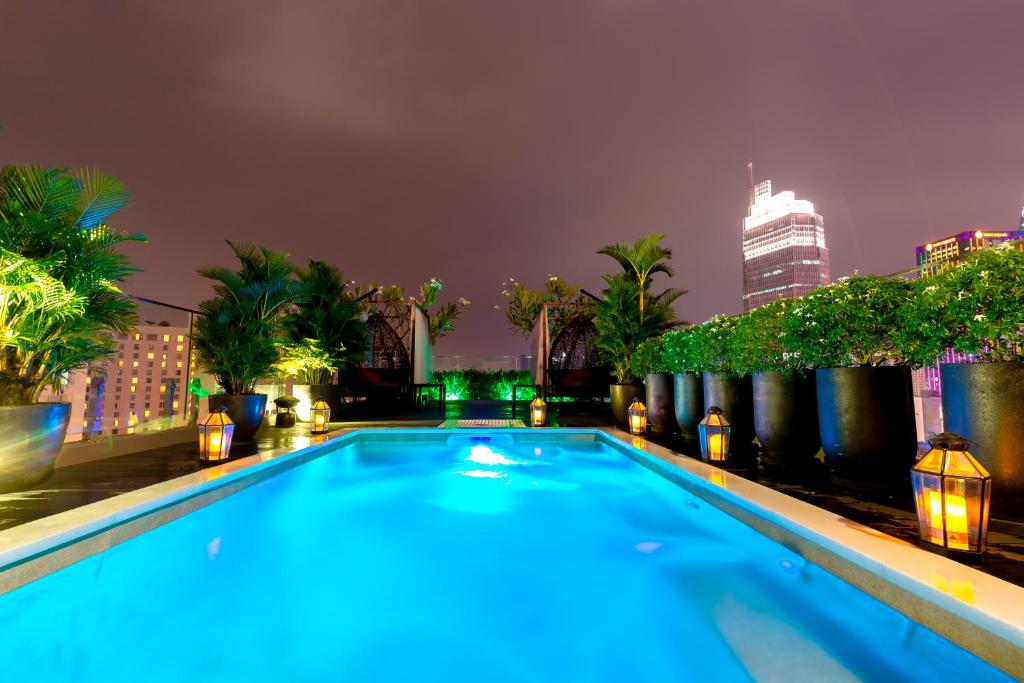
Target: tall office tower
{"x":784,"y":252}
{"x":145,"y":381}
{"x":934,"y":256}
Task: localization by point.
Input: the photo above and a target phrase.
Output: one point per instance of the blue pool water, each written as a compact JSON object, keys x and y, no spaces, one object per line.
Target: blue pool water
{"x":503,"y":558}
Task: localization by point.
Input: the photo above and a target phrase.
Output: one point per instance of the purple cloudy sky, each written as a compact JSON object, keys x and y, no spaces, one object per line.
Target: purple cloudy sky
{"x":474,"y":141}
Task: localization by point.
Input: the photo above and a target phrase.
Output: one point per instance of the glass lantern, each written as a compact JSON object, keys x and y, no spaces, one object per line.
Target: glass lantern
{"x":320,"y":416}
{"x":952,"y":492}
{"x":215,"y":434}
{"x":713,"y":432}
{"x":538,"y":412}
{"x":637,"y":417}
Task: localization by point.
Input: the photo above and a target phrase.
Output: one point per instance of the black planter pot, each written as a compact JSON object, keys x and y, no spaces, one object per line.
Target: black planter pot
{"x":867,"y":425}
{"x":328,"y":392}
{"x":31,"y":438}
{"x":688,"y":399}
{"x":735,"y":396}
{"x":622,"y":395}
{"x":245,"y":410}
{"x":660,"y":410}
{"x":984,"y":403}
{"x":786,"y":418}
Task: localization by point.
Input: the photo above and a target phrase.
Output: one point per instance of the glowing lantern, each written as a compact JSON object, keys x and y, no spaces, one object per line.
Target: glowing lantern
{"x":952,"y":492}
{"x":713,"y":432}
{"x":637,"y":417}
{"x":320,"y":416}
{"x":215,"y":434}
{"x":538,"y":412}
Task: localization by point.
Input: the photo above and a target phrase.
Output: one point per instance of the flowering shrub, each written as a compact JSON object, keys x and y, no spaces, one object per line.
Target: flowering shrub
{"x":678,"y":351}
{"x":760,"y":343}
{"x":711,"y":346}
{"x":851,"y":323}
{"x":975,"y":307}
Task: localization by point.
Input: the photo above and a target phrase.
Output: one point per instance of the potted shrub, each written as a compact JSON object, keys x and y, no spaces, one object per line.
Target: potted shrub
{"x":687,"y":382}
{"x":621,"y":326}
{"x":976,"y":308}
{"x":725,"y":385}
{"x":60,"y":305}
{"x":325,"y":332}
{"x":631,"y":313}
{"x":650,"y":362}
{"x":238,"y":331}
{"x":785,"y":403}
{"x":865,"y":396}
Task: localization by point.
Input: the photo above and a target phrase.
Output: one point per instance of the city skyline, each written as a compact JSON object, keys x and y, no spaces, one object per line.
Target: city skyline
{"x":476,"y":133}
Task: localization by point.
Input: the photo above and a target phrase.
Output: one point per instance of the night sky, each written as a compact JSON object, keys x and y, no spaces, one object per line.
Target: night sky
{"x":475,"y":140}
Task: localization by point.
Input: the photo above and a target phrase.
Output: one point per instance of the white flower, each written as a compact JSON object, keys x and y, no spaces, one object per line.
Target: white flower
{"x":463,"y":302}
{"x":980,"y":316}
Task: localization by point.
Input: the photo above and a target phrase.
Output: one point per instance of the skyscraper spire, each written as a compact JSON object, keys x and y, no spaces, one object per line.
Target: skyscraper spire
{"x":750,"y":189}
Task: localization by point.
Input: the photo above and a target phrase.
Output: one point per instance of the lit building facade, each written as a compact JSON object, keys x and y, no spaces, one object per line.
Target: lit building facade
{"x":933,"y":257}
{"x":145,"y":382}
{"x":784,"y":251}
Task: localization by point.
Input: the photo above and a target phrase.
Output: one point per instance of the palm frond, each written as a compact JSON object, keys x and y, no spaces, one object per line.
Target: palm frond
{"x":100,"y":196}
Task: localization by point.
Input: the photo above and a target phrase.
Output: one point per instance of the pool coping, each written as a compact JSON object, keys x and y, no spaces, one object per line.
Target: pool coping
{"x":980,"y":613}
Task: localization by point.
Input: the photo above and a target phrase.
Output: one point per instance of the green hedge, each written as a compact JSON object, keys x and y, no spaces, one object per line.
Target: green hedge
{"x":482,"y":385}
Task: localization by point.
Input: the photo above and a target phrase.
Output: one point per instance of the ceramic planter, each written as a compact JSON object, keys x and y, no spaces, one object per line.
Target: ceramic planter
{"x":688,"y":399}
{"x":622,"y":395}
{"x":245,"y":410}
{"x":786,"y":418}
{"x":658,"y":399}
{"x":734,"y":395}
{"x":31,"y":438}
{"x":867,"y":426}
{"x":984,"y":403}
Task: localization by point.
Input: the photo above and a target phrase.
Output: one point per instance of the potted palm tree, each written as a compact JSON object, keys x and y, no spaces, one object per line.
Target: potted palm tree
{"x":865,"y":397}
{"x":724,"y":384}
{"x":650,"y":361}
{"x":325,"y":332}
{"x":620,"y":329}
{"x":785,"y":399}
{"x":630,"y":313}
{"x":975,"y":310}
{"x":60,"y":304}
{"x":680,"y":358}
{"x":238,"y":331}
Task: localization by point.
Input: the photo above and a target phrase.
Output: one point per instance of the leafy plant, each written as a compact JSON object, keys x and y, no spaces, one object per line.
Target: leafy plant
{"x":621,"y":326}
{"x":649,"y":357}
{"x":326,"y":330}
{"x":60,"y":304}
{"x":306,"y":360}
{"x":565,"y":302}
{"x":238,"y":331}
{"x":851,"y":323}
{"x":712,"y":346}
{"x":974,"y":307}
{"x":760,"y":343}
{"x":479,"y":385}
{"x":441,"y":322}
{"x":679,"y":350}
{"x":641,"y":260}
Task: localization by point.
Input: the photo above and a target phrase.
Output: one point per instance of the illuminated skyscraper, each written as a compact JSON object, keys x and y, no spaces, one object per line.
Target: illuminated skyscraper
{"x":784,"y":252}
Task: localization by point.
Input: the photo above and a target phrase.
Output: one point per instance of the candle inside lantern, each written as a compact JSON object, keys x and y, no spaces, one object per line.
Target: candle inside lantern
{"x":715,"y":451}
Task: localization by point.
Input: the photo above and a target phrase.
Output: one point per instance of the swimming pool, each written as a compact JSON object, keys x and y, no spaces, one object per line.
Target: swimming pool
{"x":465,"y":556}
